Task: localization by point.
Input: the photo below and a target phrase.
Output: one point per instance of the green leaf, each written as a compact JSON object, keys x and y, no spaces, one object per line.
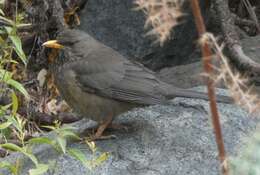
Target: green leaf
{"x":49,"y":127}
{"x":12,"y":147}
{"x":40,"y":169}
{"x":68,"y":127}
{"x":6,"y":107}
{"x":66,"y":134}
{"x":44,"y":140}
{"x":41,"y":140}
{"x":7,"y":133}
{"x":79,"y":155}
{"x":7,"y":60}
{"x":103,"y":157}
{"x":15,"y":122}
{"x":19,"y":87}
{"x":62,"y":143}
{"x":23,"y":25}
{"x":6,"y":76}
{"x":91,"y":145}
{"x":7,"y":21}
{"x":5,"y":125}
{"x":2,"y":32}
{"x":15,"y":103}
{"x":1,"y":40}
{"x":32,"y":157}
{"x":17,"y":44}
{"x":2,"y":12}
{"x":9,"y":166}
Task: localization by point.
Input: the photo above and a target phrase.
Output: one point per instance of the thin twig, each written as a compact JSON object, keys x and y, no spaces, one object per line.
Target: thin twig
{"x":206,"y":52}
{"x":252,"y":13}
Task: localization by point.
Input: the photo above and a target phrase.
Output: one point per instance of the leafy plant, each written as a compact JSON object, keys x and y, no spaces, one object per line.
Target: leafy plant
{"x":10,"y":42}
{"x":12,"y":168}
{"x":59,"y":142}
{"x":94,"y":162}
{"x":26,"y":150}
{"x":17,"y":125}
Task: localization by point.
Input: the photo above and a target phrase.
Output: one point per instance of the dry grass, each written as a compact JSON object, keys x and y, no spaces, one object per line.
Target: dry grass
{"x":162,"y":15}
{"x":234,"y":81}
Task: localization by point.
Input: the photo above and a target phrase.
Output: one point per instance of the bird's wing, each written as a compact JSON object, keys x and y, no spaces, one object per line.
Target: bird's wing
{"x":107,"y":73}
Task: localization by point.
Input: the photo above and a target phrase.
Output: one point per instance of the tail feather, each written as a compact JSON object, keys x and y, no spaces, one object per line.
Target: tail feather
{"x":176,"y":92}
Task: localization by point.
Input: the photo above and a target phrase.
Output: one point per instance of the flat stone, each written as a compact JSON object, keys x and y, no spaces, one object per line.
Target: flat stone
{"x":162,"y":139}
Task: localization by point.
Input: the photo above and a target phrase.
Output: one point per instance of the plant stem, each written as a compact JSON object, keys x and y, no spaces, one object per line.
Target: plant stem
{"x":206,"y":53}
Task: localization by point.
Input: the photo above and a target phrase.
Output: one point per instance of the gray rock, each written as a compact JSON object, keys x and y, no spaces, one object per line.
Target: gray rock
{"x":184,"y":76}
{"x":251,"y":47}
{"x":162,"y":139}
{"x":116,"y":24}
{"x":189,"y":75}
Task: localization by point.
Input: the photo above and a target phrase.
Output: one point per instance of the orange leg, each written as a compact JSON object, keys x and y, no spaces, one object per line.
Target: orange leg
{"x":117,"y":126}
{"x":99,"y":133}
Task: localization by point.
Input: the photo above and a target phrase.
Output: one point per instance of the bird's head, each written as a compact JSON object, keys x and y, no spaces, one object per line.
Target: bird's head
{"x":66,"y":38}
{"x":73,"y":43}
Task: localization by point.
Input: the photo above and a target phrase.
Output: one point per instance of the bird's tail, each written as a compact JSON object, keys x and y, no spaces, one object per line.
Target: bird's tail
{"x":176,"y":92}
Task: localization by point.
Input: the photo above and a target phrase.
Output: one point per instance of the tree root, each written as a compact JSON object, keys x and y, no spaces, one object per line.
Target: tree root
{"x":231,"y":39}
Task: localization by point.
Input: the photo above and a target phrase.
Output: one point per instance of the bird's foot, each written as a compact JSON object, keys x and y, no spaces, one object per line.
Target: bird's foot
{"x":117,"y":126}
{"x":97,"y":134}
{"x":102,"y":137}
{"x":100,"y":130}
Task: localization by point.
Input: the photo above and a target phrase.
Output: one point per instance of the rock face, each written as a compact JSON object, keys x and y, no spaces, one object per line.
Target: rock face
{"x":188,"y":76}
{"x":116,"y":24}
{"x":251,"y":47}
{"x":184,"y":76}
{"x":162,"y":140}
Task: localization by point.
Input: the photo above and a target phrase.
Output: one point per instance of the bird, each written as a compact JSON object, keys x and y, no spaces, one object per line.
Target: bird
{"x":99,"y":83}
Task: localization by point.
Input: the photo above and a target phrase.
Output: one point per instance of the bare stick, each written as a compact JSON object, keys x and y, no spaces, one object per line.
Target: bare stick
{"x":206,"y":52}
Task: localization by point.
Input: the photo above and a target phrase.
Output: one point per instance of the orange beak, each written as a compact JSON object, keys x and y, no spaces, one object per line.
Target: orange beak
{"x":53,"y":44}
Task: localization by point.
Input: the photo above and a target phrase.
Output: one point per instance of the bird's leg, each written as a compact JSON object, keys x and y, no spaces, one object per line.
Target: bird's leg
{"x":101,"y":128}
{"x":118,"y":126}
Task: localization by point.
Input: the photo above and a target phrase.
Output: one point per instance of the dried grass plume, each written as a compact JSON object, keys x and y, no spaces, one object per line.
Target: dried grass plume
{"x":234,"y":81}
{"x":162,"y":15}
